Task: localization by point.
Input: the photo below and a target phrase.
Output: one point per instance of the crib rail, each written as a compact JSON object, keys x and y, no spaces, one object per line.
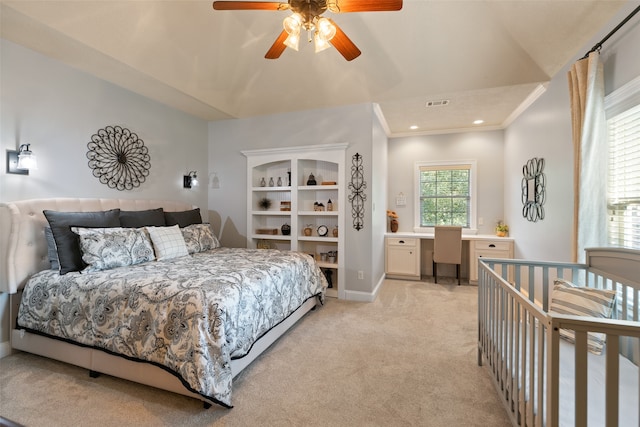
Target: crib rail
{"x":520,"y":340}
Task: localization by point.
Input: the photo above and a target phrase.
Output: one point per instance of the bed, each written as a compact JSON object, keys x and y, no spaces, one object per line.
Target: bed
{"x":562,"y":340}
{"x":186,"y":315}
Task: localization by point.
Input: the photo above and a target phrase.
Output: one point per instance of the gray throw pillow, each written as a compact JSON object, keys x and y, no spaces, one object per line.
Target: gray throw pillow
{"x":52,"y":252}
{"x":137,"y":219}
{"x":67,"y":246}
{"x":183,"y":218}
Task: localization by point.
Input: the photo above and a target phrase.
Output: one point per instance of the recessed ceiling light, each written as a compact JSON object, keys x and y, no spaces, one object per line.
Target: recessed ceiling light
{"x":414,"y":127}
{"x":478,"y":122}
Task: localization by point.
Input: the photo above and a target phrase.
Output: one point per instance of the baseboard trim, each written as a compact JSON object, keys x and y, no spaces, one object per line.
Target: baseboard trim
{"x":5,"y":349}
{"x":364,"y":296}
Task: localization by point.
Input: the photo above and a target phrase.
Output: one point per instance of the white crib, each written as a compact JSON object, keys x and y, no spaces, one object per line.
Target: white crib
{"x":544,"y":380}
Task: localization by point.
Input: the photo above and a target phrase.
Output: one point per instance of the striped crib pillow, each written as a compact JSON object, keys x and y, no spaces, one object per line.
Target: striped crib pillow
{"x":566,"y":298}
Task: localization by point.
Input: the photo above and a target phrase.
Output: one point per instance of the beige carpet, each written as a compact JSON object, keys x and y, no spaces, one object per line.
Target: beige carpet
{"x":408,"y":359}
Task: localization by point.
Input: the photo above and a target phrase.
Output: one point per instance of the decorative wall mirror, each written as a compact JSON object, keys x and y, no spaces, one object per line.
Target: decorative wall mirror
{"x":533,"y":190}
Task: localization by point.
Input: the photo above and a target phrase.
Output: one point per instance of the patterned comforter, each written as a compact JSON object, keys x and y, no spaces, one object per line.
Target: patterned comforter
{"x":190,"y":315}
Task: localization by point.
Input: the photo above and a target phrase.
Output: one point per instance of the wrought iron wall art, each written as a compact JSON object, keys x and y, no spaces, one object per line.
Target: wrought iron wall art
{"x":533,"y":190}
{"x":118,"y":158}
{"x":357,"y":187}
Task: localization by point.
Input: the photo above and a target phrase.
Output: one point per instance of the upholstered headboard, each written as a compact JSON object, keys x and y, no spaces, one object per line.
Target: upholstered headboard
{"x":24,"y":246}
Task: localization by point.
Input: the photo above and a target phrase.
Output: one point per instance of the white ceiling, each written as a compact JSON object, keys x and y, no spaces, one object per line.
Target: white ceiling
{"x":488,"y":58}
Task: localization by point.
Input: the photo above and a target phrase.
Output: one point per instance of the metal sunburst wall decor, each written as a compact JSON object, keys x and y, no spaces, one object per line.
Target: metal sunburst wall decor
{"x":118,"y":158}
{"x":357,"y":197}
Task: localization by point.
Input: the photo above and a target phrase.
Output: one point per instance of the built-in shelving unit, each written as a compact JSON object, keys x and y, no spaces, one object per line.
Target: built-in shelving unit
{"x":282,"y":176}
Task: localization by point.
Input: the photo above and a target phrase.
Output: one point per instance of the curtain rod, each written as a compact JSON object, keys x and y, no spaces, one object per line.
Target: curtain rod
{"x":624,"y":21}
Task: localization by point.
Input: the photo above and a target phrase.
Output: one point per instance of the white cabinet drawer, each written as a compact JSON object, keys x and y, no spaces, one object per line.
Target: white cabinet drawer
{"x":493,"y":254}
{"x":497,"y":245}
{"x":490,"y":248}
{"x":402,"y":241}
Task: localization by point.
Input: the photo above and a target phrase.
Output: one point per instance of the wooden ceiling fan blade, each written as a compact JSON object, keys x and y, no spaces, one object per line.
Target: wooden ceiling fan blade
{"x":344,"y":6}
{"x":249,"y":5}
{"x":277,"y":47}
{"x":344,"y":45}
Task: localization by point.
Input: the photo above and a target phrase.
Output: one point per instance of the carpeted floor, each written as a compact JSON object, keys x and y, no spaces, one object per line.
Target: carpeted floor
{"x":407,"y":359}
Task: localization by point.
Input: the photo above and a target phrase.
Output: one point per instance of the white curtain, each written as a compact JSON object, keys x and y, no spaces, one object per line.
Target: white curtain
{"x":586,"y":89}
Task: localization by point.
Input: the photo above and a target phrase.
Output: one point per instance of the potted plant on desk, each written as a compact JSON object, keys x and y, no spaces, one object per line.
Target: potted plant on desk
{"x":502,"y":229}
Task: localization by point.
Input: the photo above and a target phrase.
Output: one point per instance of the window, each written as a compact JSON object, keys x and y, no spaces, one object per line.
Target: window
{"x":623,"y":191}
{"x":445,"y":194}
{"x":623,"y":184}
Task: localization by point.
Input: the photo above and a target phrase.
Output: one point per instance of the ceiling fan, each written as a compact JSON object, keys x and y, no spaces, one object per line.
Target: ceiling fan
{"x":307,"y":15}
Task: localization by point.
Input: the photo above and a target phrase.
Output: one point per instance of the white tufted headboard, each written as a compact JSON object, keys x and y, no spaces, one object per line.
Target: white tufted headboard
{"x":24,"y":247}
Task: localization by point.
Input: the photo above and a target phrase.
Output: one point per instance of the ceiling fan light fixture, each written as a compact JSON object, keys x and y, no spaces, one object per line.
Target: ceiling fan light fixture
{"x":320,"y":43}
{"x":293,"y":23}
{"x":293,"y":41}
{"x":325,"y":29}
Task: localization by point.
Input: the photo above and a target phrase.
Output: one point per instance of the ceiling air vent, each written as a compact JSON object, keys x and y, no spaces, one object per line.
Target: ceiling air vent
{"x":438,"y":103}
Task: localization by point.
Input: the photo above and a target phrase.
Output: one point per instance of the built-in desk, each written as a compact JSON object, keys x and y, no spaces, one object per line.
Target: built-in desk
{"x":409,"y":255}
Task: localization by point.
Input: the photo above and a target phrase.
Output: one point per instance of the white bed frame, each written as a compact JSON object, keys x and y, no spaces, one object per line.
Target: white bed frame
{"x":519,"y":339}
{"x":26,"y":254}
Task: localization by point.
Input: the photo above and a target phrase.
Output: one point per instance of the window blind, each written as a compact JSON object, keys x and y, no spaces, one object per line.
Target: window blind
{"x":445,"y":195}
{"x":623,"y":186}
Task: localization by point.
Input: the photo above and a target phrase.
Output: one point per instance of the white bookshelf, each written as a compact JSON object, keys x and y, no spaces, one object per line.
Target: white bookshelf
{"x":326,"y":163}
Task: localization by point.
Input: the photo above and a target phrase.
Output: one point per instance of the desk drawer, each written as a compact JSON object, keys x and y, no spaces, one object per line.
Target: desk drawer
{"x":488,"y":248}
{"x":496,"y":245}
{"x":402,"y":241}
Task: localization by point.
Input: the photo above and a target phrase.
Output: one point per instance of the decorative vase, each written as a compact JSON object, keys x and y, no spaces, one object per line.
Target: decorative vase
{"x":285,"y":229}
{"x":394,"y":225}
{"x":311,"y":180}
{"x":501,"y":233}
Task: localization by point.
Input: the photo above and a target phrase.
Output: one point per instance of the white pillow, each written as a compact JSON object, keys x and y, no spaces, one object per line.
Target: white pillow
{"x":167,"y":242}
{"x":566,"y":298}
{"x":105,"y":248}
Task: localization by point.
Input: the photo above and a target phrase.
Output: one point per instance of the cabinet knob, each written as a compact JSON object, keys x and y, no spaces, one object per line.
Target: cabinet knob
{"x":492,"y":245}
{"x":401,"y":241}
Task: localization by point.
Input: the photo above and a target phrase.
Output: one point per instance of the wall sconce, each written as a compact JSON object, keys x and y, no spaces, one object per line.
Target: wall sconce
{"x":21,"y":161}
{"x":190,"y":180}
{"x":215,"y":181}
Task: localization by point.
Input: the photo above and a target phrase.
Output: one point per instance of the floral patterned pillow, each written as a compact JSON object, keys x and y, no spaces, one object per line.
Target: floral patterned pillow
{"x":199,"y":238}
{"x":105,"y":248}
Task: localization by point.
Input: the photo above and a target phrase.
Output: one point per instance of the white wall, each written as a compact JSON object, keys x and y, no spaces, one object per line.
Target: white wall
{"x":227,"y":205}
{"x":544,"y":131}
{"x":57,"y":109}
{"x":379,"y":193}
{"x":484,"y":147}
